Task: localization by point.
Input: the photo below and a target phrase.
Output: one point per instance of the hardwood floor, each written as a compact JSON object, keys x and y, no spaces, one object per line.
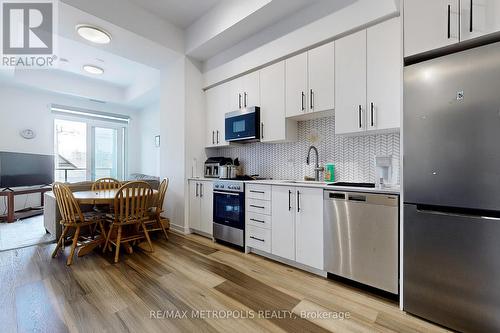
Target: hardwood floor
{"x":206,"y":286}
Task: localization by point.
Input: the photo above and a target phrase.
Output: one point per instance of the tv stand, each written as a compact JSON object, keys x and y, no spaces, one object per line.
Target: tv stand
{"x":11,"y":194}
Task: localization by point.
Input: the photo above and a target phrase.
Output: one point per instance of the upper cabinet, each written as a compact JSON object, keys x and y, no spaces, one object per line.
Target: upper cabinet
{"x":274,"y":125}
{"x":216,"y":103}
{"x":310,"y":79}
{"x":244,"y":91}
{"x":368,"y":79}
{"x":431,"y":24}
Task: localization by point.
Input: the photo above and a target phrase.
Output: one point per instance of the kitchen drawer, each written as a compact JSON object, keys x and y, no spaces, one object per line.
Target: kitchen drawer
{"x":258,"y":206}
{"x":259,"y":238}
{"x":258,"y":220}
{"x":261,"y":192}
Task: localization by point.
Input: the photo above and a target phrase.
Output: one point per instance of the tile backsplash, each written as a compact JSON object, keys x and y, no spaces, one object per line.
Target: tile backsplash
{"x":353,"y":156}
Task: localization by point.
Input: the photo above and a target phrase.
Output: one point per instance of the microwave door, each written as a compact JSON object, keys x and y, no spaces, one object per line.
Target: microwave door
{"x":241,"y":125}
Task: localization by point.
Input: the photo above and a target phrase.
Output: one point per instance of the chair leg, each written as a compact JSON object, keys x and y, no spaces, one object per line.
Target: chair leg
{"x":103,"y":231}
{"x":60,"y":241}
{"x":108,"y":237}
{"x":147,"y":236}
{"x":118,"y":240}
{"x":162,"y":227}
{"x":73,"y":246}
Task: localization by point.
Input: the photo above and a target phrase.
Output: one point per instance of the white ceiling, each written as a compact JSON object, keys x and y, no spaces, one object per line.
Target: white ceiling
{"x":182,"y":13}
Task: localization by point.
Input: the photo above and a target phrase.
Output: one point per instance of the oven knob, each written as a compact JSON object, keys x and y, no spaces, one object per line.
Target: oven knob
{"x":230,"y":187}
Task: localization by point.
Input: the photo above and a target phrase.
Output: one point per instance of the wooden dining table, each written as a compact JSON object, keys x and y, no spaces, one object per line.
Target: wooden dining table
{"x":99,"y":197}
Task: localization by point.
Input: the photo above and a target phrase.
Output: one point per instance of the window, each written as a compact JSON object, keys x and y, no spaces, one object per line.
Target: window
{"x":88,"y":147}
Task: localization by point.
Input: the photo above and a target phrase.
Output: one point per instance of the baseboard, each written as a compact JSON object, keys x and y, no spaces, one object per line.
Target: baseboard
{"x":179,"y":228}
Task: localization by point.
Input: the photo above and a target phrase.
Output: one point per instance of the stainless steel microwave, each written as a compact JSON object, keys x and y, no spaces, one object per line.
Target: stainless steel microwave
{"x":243,"y":125}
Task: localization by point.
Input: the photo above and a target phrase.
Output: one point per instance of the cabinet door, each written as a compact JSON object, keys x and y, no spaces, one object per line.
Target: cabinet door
{"x":283,"y":222}
{"x":350,"y":87}
{"x":309,"y":227}
{"x":222,"y":109}
{"x":235,"y":94}
{"x":480,"y":19}
{"x":384,"y":65}
{"x":272,"y":106}
{"x":194,"y":205}
{"x":296,"y":85}
{"x":206,"y":207}
{"x":251,"y":89}
{"x":430,"y":24}
{"x":321,"y":62}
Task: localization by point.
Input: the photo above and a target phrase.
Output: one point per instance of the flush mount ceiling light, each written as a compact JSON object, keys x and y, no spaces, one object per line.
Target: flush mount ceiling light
{"x":91,"y":69}
{"x":93,"y":34}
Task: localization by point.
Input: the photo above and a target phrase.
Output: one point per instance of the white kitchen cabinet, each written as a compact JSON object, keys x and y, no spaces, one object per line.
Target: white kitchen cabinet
{"x":384,"y":63}
{"x":368,"y":79}
{"x":350,"y":87}
{"x":283,"y":226}
{"x":430,"y":24}
{"x":484,"y":18}
{"x":274,"y":125}
{"x":244,"y":91}
{"x":296,"y":85}
{"x":310,"y":81}
{"x":321,"y":75}
{"x":309,"y":227}
{"x":201,"y":206}
{"x":216,"y":106}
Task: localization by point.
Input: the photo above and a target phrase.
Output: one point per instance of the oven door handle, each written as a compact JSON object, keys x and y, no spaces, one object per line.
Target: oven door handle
{"x":233,"y":194}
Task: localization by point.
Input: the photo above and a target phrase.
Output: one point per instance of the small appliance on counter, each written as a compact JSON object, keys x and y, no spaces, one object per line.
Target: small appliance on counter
{"x":243,"y":125}
{"x":213,"y":164}
{"x":386,"y":170}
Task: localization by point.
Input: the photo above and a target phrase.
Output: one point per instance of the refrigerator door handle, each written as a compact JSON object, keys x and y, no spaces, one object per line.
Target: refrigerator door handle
{"x":449,"y":21}
{"x":447,"y":213}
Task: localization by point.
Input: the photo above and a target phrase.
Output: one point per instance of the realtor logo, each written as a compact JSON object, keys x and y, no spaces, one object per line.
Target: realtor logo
{"x":28,"y":33}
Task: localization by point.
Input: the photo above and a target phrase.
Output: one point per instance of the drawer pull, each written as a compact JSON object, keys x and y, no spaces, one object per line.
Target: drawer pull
{"x":260,"y":221}
{"x":260,"y":207}
{"x":258,"y":239}
{"x":260,"y":192}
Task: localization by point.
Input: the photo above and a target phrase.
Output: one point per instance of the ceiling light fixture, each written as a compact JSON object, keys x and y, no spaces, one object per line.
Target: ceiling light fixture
{"x":91,"y":69}
{"x":93,"y":34}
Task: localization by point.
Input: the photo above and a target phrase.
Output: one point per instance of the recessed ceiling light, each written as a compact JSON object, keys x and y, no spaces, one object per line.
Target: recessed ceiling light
{"x":93,"y":34}
{"x":93,"y":69}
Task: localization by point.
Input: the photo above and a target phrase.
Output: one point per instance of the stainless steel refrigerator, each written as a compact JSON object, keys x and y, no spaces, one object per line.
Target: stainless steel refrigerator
{"x":452,"y":189}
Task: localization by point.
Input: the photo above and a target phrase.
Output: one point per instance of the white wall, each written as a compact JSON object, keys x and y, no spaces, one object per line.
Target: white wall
{"x":23,"y":108}
{"x":149,"y":127}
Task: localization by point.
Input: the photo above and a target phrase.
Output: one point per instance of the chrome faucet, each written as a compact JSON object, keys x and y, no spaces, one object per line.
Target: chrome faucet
{"x":317,"y":168}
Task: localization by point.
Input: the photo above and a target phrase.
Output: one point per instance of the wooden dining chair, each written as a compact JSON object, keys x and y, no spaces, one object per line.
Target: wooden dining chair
{"x":155,"y":221}
{"x":131,"y":205}
{"x":73,"y":218}
{"x":103,"y":184}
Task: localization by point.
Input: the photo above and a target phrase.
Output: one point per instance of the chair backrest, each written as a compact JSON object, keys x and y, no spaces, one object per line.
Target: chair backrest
{"x":162,"y":190}
{"x":68,"y":206}
{"x":106,"y":184}
{"x":132,"y":201}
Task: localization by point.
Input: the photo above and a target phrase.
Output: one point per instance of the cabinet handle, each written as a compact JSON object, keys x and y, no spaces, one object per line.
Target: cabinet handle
{"x":289,"y":200}
{"x":245,"y":99}
{"x":260,"y":192}
{"x":255,"y":220}
{"x":217,"y":136}
{"x":302,"y":101}
{"x":449,"y":21}
{"x":470,"y":22}
{"x":197,"y":184}
{"x":360,"y":114}
{"x":262,"y":130}
{"x":213,"y":137}
{"x":260,"y":207}
{"x":372,"y":118}
{"x":258,"y":239}
{"x":298,"y":201}
{"x":201,"y":190}
{"x":312,"y":100}
{"x":239,"y":101}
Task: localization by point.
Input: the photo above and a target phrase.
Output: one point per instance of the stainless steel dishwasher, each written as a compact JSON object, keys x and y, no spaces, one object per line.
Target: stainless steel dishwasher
{"x":361,"y":238}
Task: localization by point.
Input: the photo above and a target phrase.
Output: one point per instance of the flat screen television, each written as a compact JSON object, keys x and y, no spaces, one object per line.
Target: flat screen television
{"x":20,"y":169}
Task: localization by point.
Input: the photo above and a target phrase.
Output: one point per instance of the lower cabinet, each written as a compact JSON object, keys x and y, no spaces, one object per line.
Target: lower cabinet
{"x":297,"y":224}
{"x":201,"y":206}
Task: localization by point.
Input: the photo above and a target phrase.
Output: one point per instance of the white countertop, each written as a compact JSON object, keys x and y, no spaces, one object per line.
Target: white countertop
{"x":388,"y":190}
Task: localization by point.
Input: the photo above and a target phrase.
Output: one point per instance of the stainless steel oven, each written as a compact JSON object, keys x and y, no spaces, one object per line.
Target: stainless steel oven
{"x":229,"y":212}
{"x":243,"y":125}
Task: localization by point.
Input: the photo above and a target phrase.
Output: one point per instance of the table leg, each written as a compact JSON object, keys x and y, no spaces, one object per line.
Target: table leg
{"x":10,"y":207}
{"x":90,"y":246}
